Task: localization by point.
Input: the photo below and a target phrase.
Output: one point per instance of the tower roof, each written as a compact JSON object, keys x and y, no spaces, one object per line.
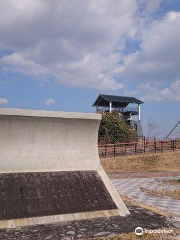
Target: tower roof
{"x":117,"y":101}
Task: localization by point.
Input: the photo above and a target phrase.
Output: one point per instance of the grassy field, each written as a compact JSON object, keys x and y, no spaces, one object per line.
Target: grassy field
{"x":159,"y":162}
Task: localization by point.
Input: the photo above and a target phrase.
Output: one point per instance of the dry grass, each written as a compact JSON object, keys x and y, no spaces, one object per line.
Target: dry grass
{"x":159,"y":162}
{"x":174,"y":193}
{"x":172,"y":182}
{"x":145,"y":236}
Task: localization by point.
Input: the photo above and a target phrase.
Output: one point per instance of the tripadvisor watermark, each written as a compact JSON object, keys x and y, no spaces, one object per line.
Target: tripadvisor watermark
{"x":140,"y":231}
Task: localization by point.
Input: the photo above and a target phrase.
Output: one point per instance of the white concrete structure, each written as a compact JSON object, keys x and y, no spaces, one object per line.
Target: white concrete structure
{"x":110,"y":106}
{"x":139,"y":112}
{"x":47,"y":141}
{"x":41,"y":141}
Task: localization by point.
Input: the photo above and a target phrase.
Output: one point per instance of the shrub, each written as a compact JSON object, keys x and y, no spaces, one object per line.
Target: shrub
{"x":114,"y":129}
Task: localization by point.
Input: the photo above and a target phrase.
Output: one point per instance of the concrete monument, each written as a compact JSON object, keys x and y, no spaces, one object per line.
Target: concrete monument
{"x":50,"y":169}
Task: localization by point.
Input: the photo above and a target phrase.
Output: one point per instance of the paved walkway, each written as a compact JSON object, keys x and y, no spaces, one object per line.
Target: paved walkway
{"x":96,"y":228}
{"x":132,"y":188}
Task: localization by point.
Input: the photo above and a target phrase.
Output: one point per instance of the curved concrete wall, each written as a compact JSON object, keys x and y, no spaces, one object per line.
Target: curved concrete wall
{"x":43,"y":141}
{"x":47,"y":141}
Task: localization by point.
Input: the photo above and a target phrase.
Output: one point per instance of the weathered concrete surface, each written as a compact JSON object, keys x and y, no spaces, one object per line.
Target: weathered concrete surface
{"x":42,"y":141}
{"x":32,"y":141}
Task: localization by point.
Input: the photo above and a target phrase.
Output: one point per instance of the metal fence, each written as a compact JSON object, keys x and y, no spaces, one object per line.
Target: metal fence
{"x":143,"y":146}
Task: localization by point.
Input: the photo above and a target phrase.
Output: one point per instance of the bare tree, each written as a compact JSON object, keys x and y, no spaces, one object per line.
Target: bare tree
{"x":152,"y":127}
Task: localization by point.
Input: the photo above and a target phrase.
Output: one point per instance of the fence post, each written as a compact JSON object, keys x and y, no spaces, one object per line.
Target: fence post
{"x":135,"y":148}
{"x":144,"y":148}
{"x":124,"y":149}
{"x":144,"y":144}
{"x":159,"y":145}
{"x":155,"y":147}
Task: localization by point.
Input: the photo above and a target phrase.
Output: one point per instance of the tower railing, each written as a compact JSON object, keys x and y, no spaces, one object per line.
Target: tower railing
{"x":120,"y":110}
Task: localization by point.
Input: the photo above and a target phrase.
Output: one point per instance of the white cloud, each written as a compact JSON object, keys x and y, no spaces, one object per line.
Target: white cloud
{"x":171,"y":93}
{"x":148,"y":7}
{"x":3,"y":101}
{"x":152,"y":93}
{"x":75,"y":43}
{"x":154,"y":69}
{"x":158,"y":60}
{"x":17,"y":63}
{"x":81,"y":44}
{"x":49,"y":101}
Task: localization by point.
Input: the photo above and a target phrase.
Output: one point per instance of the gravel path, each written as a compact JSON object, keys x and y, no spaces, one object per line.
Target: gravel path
{"x":95,"y":228}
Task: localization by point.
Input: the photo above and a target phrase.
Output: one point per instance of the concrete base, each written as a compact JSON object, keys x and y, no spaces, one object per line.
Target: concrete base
{"x":56,"y":218}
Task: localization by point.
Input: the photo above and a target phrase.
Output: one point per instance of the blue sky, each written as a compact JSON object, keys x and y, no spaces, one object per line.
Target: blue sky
{"x":60,"y":56}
